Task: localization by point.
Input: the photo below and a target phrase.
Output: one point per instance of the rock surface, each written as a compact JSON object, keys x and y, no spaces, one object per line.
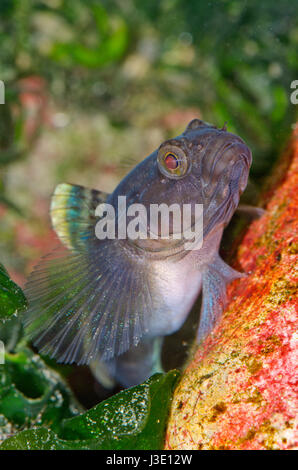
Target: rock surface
{"x":240,"y":390}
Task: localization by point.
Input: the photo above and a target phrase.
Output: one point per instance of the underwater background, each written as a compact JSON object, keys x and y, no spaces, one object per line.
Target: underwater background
{"x":91,"y":88}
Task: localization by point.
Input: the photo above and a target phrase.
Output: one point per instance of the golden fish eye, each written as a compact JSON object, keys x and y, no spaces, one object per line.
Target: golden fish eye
{"x":172,"y":162}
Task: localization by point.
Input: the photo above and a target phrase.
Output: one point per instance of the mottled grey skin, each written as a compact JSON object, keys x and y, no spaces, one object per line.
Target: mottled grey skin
{"x":217,"y":176}
{"x":112,"y":301}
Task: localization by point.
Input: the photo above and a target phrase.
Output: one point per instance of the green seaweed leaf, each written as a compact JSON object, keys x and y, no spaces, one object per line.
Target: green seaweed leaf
{"x":32,"y":394}
{"x":11,"y":296}
{"x":36,"y":439}
{"x":132,"y":419}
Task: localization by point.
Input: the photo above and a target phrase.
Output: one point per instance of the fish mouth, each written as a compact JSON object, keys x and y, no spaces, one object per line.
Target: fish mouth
{"x":230,"y":161}
{"x":228,"y":179}
{"x":229,"y":154}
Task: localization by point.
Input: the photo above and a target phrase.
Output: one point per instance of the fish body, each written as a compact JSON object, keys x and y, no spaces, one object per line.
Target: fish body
{"x":113,"y":300}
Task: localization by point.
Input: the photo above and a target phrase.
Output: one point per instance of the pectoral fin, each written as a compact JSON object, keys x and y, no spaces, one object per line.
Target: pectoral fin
{"x":215,"y":279}
{"x":88,"y":305}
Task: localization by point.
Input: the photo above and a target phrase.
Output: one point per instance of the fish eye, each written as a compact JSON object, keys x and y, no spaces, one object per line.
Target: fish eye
{"x":173,"y":162}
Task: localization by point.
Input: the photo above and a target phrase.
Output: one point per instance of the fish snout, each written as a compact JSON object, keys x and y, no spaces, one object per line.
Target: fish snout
{"x":242,"y":166}
{"x":232,"y":165}
{"x":234,"y":150}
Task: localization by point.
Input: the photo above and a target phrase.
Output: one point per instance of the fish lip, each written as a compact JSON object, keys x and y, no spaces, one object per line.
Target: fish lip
{"x":244,"y":153}
{"x":247,"y":158}
{"x":217,"y":165}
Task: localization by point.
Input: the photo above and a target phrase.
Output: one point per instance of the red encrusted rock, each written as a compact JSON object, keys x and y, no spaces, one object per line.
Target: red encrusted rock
{"x":240,"y":390}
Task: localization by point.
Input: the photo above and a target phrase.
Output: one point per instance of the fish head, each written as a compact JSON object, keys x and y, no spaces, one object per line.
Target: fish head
{"x":200,"y":158}
{"x":204,"y":165}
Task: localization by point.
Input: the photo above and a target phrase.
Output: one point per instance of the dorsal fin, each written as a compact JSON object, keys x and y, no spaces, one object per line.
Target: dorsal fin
{"x":73,"y":213}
